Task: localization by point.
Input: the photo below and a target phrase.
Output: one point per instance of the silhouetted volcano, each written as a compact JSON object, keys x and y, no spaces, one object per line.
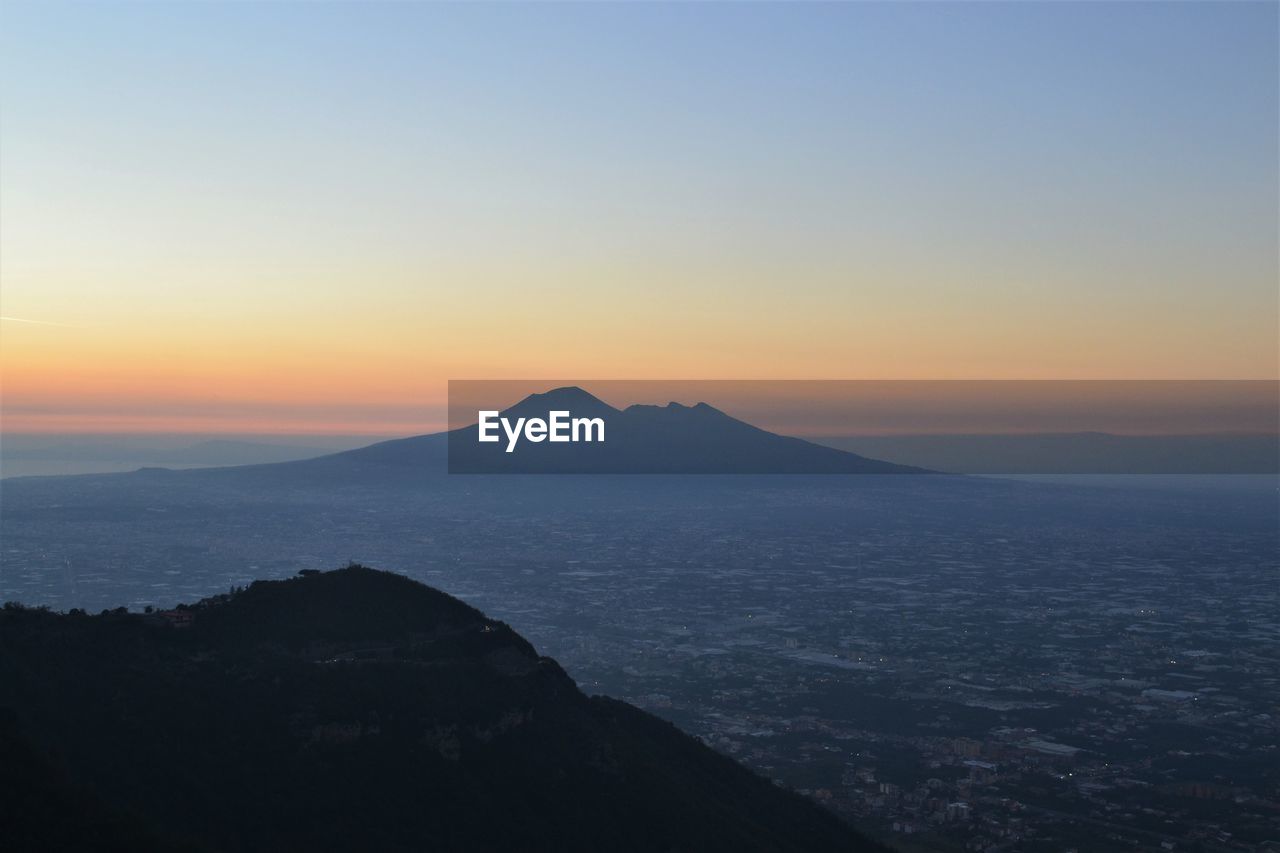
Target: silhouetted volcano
{"x":641,"y":439}
{"x":349,"y":710}
{"x":645,"y":439}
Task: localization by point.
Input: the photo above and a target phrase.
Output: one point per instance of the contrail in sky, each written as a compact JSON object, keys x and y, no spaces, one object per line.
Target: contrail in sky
{"x":38,"y":322}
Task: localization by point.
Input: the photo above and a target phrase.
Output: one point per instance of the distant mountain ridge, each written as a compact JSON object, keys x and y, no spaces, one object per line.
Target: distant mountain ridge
{"x":350,"y":710}
{"x":218,"y":451}
{"x":1075,"y":453}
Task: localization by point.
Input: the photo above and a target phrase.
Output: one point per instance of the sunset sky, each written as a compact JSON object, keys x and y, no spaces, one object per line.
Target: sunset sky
{"x":303,"y":217}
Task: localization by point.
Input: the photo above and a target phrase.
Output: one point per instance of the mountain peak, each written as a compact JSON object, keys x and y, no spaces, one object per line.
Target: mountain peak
{"x":356,"y":605}
{"x":566,"y":393}
{"x":568,"y":397}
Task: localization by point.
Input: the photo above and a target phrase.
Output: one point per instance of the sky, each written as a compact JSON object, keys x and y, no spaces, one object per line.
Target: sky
{"x":308,"y":217}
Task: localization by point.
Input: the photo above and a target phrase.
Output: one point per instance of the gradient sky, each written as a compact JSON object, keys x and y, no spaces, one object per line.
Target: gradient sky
{"x":307,"y":217}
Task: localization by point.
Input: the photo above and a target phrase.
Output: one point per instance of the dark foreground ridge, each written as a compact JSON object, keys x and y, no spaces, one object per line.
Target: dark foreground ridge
{"x":349,"y":710}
